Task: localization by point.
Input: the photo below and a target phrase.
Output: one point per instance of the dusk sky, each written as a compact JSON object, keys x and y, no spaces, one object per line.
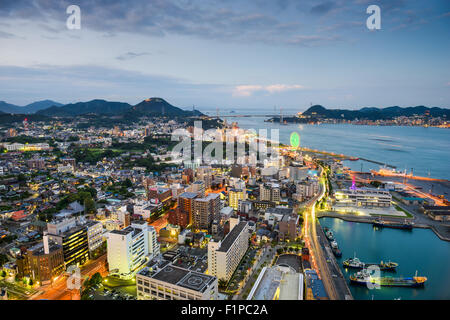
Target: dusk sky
{"x":228,"y":54}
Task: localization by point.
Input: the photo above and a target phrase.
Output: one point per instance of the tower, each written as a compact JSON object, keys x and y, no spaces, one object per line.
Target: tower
{"x":25,"y":124}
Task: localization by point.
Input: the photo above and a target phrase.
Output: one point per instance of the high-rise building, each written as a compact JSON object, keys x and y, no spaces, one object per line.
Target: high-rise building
{"x":224,"y":256}
{"x":203,"y":173}
{"x":198,"y":187}
{"x":95,"y":234}
{"x":130,"y":248}
{"x":205,"y":210}
{"x":269,"y":192}
{"x":186,"y":204}
{"x":72,"y":236}
{"x":234,"y":195}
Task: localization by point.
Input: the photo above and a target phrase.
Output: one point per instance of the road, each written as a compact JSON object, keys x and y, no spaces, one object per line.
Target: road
{"x":58,"y":289}
{"x":318,"y":260}
{"x":322,"y":258}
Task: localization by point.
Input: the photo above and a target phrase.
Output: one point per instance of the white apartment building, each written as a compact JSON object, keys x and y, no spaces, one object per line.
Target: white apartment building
{"x":224,"y":256}
{"x":307,"y":189}
{"x":130,"y":248}
{"x":95,"y":234}
{"x":175,"y":283}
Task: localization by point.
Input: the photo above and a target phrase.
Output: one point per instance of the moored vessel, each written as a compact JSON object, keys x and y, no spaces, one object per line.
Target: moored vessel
{"x":364,"y":278}
{"x":355,"y":263}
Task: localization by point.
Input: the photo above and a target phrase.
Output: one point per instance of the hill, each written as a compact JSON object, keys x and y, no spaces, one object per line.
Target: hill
{"x":148,"y":107}
{"x":96,"y":106}
{"x":158,"y":106}
{"x":29,"y":108}
{"x":318,"y":111}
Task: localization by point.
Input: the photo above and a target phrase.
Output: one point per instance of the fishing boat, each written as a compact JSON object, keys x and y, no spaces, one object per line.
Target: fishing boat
{"x":355,"y":263}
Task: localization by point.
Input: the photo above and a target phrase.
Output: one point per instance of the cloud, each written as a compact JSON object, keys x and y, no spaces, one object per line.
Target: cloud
{"x":323,"y":8}
{"x":248,"y":90}
{"x":233,"y":20}
{"x":6,"y":35}
{"x":131,"y":55}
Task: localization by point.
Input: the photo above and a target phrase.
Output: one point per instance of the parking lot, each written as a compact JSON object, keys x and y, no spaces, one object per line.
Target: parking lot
{"x":118,"y":293}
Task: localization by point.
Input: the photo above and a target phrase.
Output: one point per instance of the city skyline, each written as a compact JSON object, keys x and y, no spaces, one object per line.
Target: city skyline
{"x":228,"y":55}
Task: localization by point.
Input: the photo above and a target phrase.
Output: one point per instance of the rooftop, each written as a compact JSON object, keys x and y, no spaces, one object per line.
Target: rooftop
{"x":231,"y":237}
{"x":183,"y":277}
{"x":189,"y":195}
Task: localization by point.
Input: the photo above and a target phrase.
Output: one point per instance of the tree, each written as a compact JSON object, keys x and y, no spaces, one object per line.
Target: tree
{"x":222,"y":283}
{"x":96,"y":279}
{"x":3,"y":259}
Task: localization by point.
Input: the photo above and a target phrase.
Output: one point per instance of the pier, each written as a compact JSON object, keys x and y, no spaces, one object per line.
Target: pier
{"x":387,"y":219}
{"x":378,"y":162}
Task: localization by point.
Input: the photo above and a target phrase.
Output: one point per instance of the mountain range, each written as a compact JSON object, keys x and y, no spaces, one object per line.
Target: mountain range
{"x":29,"y":108}
{"x":318,"y":111}
{"x":148,"y":107}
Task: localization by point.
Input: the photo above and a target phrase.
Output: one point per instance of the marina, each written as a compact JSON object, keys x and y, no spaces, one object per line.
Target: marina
{"x":413,"y":251}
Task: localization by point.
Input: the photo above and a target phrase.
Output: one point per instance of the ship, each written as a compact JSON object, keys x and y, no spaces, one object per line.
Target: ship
{"x":380,"y":224}
{"x":363,"y":278}
{"x":337,"y":253}
{"x":335,"y":249}
{"x":384,"y":171}
{"x":329,"y":235}
{"x":355,"y":263}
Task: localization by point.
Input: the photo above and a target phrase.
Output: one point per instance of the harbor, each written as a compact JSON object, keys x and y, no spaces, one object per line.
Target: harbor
{"x":413,"y":251}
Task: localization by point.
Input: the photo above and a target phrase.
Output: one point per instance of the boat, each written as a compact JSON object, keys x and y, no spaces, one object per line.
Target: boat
{"x":336,"y":252}
{"x":334,"y":244}
{"x":406,"y":225}
{"x":329,"y":235}
{"x":355,"y":263}
{"x":363,"y":278}
{"x":353,"y":159}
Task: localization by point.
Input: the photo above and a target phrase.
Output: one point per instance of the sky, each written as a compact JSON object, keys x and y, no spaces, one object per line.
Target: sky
{"x":227,"y":54}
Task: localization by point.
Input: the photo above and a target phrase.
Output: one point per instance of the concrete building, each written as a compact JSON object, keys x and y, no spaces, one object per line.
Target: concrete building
{"x":298,"y":173}
{"x":204,"y":173}
{"x":205,"y":210}
{"x":71,"y":234}
{"x":186,"y":204}
{"x":269,"y":192}
{"x":225,"y":255}
{"x":288,"y":227}
{"x":234,"y":195}
{"x":277,"y":283}
{"x":198,"y":187}
{"x":363,"y":197}
{"x":175,"y":283}
{"x":130,"y":248}
{"x":44,"y":262}
{"x":95,"y":234}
